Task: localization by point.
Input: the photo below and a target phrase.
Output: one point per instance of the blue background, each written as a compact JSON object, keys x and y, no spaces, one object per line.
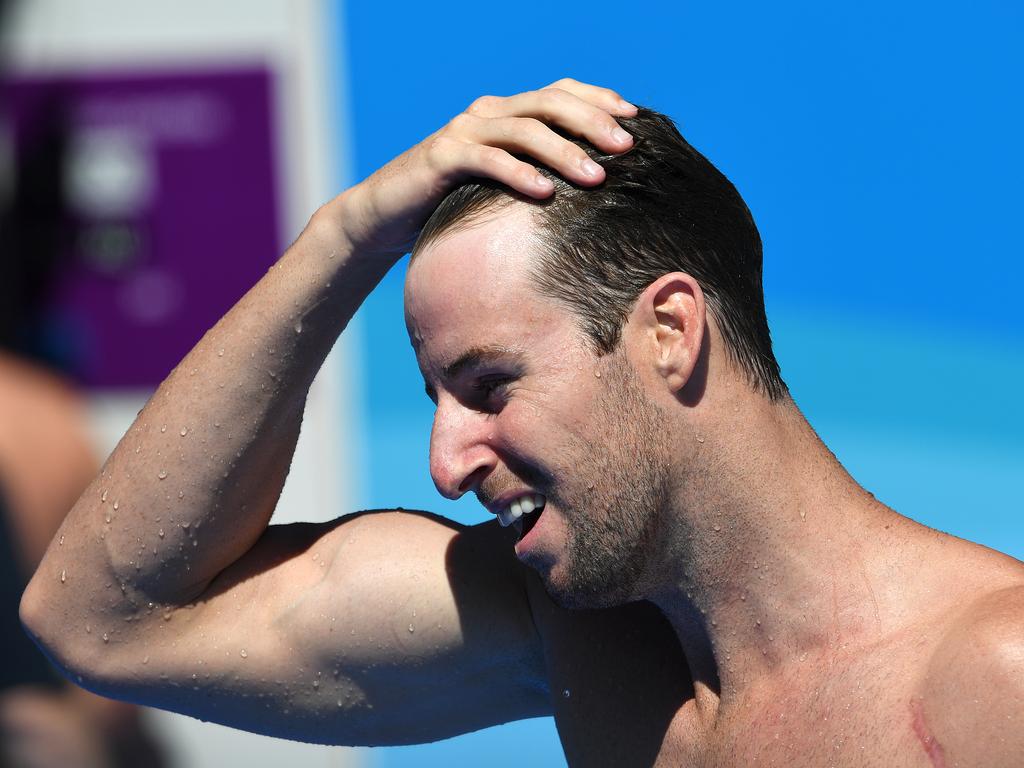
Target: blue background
{"x":879,"y":151}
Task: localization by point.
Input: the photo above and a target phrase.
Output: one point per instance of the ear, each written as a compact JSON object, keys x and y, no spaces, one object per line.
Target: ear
{"x":670,"y":314}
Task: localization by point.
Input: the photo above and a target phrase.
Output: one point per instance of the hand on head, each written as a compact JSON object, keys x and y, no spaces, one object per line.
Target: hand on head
{"x":382,"y":215}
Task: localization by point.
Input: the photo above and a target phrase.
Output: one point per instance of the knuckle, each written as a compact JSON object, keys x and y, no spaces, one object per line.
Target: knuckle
{"x":554,"y":96}
{"x":526,"y":173}
{"x":573,"y":155}
{"x":490,"y":155}
{"x":437,"y":149}
{"x":481,"y":104}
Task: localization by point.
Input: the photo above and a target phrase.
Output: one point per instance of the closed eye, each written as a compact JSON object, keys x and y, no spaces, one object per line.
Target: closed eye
{"x":491,"y":385}
{"x":490,"y":393}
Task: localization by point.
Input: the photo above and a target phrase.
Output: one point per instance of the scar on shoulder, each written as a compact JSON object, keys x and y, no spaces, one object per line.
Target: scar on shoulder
{"x":932,"y":748}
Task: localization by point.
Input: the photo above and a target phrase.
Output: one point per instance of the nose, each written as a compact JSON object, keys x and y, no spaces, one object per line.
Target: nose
{"x":460,"y":453}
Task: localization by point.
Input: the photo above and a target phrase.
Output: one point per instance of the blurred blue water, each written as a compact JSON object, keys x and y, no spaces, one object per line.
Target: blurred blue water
{"x":878,"y":148}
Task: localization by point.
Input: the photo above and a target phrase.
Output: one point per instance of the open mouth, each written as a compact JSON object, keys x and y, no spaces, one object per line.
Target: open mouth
{"x":523,"y":513}
{"x":525,"y":524}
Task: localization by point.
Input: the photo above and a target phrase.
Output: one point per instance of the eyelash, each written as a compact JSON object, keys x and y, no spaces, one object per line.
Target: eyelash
{"x":488,"y":387}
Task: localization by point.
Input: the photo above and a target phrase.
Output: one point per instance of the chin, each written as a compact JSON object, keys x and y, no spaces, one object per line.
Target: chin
{"x":586,"y":596}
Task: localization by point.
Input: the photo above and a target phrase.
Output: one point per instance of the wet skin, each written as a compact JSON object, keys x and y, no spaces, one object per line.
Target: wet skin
{"x":618,"y":681}
{"x":884,"y":643}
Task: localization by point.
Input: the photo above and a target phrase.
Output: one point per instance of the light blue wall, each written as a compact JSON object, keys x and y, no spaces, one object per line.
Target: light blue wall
{"x":878,"y":149}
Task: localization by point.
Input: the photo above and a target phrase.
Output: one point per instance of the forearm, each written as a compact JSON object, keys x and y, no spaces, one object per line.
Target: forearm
{"x":192,"y":485}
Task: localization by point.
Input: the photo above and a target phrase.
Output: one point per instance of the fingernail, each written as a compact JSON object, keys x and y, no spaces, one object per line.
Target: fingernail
{"x":590,"y":168}
{"x":626,"y":106}
{"x":620,"y":135}
{"x":544,"y":182}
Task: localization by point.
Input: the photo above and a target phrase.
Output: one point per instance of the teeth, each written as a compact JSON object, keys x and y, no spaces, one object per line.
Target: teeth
{"x":521,"y":506}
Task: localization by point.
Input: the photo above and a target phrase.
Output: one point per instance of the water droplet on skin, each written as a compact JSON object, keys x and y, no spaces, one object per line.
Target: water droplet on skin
{"x":718,"y":527}
{"x":597,"y":374}
{"x":411,"y":629}
{"x":803,"y":515}
{"x":61,"y":542}
{"x":116,"y":505}
{"x":185,"y":524}
{"x":184,"y":431}
{"x":162,"y":474}
{"x":145,"y":660}
{"x":243,"y":654}
{"x":700,"y":439}
{"x":63,"y":576}
{"x":566,"y":693}
{"x":220,"y":353}
{"x":316,"y":684}
{"x":106,"y":638}
{"x":160,"y":533}
{"x":167,"y":616}
{"x":103,"y":497}
{"x":298,"y":327}
{"x":107,"y":518}
{"x":163,"y":428}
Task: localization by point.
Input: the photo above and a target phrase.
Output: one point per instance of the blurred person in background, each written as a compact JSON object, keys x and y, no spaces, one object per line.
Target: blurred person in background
{"x":46,"y":460}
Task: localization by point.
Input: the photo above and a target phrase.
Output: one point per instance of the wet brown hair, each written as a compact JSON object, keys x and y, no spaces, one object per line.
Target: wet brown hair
{"x":662,"y":208}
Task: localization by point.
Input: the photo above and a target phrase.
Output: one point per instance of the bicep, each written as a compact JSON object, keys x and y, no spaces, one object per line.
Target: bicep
{"x":379,"y":628}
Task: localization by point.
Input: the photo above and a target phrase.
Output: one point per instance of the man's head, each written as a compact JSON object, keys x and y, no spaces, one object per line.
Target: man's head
{"x":662,"y":208}
{"x":555,"y":338}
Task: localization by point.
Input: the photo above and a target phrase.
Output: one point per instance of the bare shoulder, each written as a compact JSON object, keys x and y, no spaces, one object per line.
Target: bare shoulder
{"x":972,"y":696}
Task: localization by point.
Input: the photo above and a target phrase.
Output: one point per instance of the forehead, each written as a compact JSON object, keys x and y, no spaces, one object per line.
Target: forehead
{"x":472,"y":288}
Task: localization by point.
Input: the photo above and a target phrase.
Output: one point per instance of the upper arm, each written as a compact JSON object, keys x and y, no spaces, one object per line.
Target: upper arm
{"x":973,"y":696}
{"x":379,"y":628}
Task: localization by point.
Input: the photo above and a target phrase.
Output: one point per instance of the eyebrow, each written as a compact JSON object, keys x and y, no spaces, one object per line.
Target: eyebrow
{"x":478,"y":356}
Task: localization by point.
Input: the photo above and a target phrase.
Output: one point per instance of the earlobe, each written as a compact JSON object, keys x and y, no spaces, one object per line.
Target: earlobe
{"x":678,"y":315}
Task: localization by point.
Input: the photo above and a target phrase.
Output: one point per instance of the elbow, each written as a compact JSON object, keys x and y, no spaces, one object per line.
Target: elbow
{"x":33,"y":615}
{"x":48,"y":627}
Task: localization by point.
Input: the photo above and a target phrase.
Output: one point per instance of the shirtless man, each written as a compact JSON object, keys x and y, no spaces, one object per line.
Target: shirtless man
{"x":703,"y":584}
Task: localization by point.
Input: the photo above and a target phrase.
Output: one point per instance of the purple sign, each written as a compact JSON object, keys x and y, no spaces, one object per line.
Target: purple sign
{"x":167,"y":208}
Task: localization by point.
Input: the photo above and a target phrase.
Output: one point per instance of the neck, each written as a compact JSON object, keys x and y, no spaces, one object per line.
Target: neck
{"x":774,"y":555}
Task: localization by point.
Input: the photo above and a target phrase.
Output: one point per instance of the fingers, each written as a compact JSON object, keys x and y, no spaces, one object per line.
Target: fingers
{"x":526,"y":135}
{"x":605,"y":98}
{"x":588,"y":114}
{"x":482,"y":140}
{"x":455,"y":159}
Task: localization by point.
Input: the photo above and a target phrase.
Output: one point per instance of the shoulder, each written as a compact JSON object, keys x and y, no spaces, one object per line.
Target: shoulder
{"x":973,"y":690}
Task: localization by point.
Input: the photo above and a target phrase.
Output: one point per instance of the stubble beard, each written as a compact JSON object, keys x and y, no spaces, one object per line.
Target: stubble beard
{"x":613,"y":527}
